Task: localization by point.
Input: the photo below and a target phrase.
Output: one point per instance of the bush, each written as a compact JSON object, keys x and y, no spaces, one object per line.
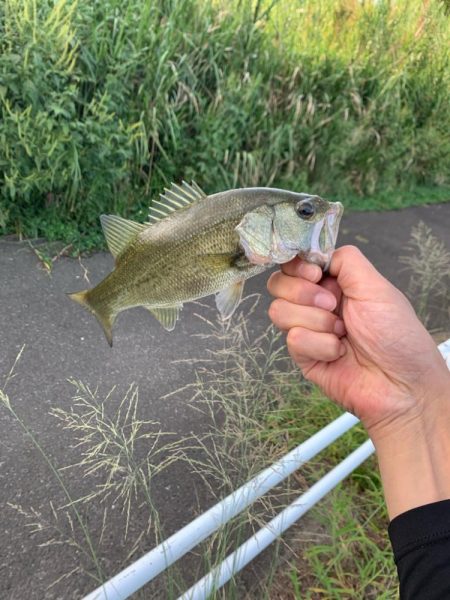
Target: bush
{"x":103,"y":103}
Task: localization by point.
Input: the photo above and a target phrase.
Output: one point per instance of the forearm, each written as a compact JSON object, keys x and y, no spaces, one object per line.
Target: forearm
{"x":414,"y":457}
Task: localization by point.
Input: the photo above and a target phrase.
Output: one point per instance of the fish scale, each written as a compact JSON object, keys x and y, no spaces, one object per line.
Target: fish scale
{"x":196,"y":245}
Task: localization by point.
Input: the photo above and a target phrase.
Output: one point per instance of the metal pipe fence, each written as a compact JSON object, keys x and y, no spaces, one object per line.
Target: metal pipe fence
{"x":146,"y":568}
{"x":278,"y":525}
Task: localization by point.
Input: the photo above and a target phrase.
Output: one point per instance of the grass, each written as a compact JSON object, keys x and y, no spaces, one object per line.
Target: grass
{"x":353,"y":559}
{"x":255,"y":407}
{"x":350,"y":555}
{"x":103,"y":104}
{"x":428,"y":261}
{"x":400,"y":198}
{"x":88,"y":548}
{"x":121,"y":454}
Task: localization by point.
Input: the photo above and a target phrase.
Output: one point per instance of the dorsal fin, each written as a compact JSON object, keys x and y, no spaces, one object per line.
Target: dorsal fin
{"x":119,"y":232}
{"x":178,"y":196}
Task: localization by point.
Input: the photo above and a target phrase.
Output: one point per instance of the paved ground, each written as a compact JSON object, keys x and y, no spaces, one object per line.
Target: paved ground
{"x":62,"y":341}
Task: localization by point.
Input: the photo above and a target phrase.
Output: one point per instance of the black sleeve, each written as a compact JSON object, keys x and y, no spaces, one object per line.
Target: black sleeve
{"x":420,"y":539}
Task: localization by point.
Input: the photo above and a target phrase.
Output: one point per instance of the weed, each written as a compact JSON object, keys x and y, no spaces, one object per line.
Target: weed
{"x":109,"y":443}
{"x":103,"y":104}
{"x":89,"y":546}
{"x":46,"y":256}
{"x":350,"y":554}
{"x":256,"y":407}
{"x":429,"y":286}
{"x":120,"y":454}
{"x":352,"y":558}
{"x":237,"y":384}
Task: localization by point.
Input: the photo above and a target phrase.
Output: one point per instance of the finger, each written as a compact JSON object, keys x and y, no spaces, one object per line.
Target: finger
{"x":300,"y":291}
{"x":305,"y":346}
{"x":331,"y":284}
{"x":299,"y":268}
{"x":286,"y":315}
{"x":356,"y":275}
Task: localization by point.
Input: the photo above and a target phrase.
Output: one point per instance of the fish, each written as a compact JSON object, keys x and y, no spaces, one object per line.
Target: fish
{"x":194,"y":245}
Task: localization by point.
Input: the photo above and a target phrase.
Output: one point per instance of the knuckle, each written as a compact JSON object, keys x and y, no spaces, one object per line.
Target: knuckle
{"x":272,"y":282}
{"x":347,"y":252}
{"x":293,"y":339}
{"x":306,"y":372}
{"x":327,"y":321}
{"x":274,"y":310}
{"x":299,"y":291}
{"x":332,"y":348}
{"x":297,"y":358}
{"x":350,"y":249}
{"x":269,"y":283}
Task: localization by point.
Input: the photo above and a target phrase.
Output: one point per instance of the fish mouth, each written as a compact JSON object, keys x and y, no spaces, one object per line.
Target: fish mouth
{"x":324,"y":236}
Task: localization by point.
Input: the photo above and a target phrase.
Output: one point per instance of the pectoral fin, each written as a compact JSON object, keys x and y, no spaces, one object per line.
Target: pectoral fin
{"x":219,"y":263}
{"x":167,"y":316}
{"x":228,"y":299}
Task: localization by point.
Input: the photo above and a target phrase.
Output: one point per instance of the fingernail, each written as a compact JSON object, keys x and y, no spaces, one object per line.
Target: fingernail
{"x":339,"y":328}
{"x":325,"y":301}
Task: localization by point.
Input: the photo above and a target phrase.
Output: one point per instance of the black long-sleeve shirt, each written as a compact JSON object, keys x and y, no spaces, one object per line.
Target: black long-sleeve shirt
{"x":420,"y":540}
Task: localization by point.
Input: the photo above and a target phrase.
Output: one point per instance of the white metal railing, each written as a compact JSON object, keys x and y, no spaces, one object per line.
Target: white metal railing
{"x":150,"y":565}
{"x":270,"y":532}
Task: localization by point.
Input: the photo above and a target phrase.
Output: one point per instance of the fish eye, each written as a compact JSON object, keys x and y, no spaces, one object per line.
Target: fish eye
{"x":305,"y":209}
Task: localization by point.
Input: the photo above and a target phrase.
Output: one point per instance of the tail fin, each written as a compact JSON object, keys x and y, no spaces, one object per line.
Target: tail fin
{"x":105,"y":319}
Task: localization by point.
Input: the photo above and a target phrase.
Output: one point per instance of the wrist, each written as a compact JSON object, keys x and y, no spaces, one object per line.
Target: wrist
{"x":413,"y":455}
{"x":413,"y":410}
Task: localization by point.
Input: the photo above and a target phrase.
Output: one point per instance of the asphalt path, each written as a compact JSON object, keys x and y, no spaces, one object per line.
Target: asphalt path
{"x":61,"y":341}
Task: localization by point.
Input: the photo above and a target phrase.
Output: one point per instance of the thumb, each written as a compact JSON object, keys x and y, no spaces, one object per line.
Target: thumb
{"x":356,"y":275}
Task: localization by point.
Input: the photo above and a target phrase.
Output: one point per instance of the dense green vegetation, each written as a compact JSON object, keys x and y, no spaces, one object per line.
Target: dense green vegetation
{"x":103,"y":103}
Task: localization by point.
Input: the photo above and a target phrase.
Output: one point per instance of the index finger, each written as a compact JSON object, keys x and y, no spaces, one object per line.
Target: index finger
{"x":300,"y":291}
{"x":300,"y":268}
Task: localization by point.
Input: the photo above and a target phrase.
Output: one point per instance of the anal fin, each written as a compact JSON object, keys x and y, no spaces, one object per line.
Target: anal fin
{"x":167,"y":316}
{"x":228,"y":299}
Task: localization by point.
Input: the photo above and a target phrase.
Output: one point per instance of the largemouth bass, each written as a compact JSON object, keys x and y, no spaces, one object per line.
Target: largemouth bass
{"x":195,"y":245}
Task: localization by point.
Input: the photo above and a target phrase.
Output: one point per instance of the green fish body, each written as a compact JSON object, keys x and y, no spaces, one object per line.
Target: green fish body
{"x":195,"y":245}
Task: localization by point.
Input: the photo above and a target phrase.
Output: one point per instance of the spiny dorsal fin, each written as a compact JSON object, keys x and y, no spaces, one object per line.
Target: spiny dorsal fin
{"x":167,"y":316}
{"x":119,"y":232}
{"x":178,"y":196}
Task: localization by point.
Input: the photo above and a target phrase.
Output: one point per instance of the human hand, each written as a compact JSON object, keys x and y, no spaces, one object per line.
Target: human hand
{"x":356,"y":336}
